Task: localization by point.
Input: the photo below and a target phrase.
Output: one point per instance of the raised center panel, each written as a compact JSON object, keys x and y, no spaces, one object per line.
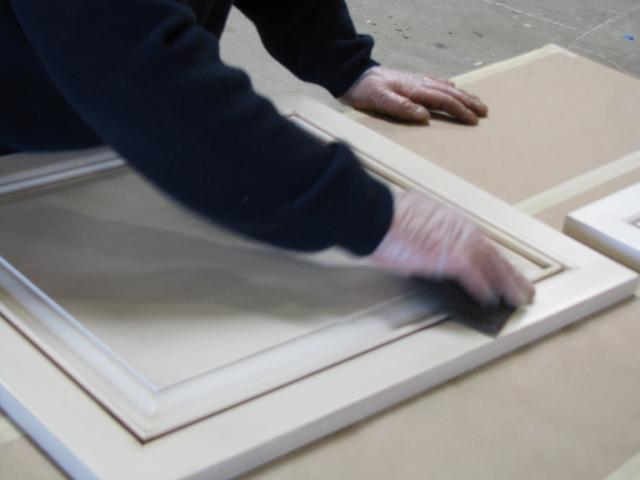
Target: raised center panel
{"x":166,"y":318}
{"x":134,"y":269}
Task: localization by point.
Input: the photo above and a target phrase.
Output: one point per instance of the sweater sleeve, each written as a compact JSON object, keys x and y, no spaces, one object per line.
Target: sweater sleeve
{"x":151,"y":83}
{"x":314,"y":39}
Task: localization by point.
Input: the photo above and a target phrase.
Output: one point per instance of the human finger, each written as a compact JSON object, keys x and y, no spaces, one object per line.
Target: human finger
{"x":468,"y":100}
{"x":439,"y":79}
{"x":473,"y":279}
{"x":437,"y":100}
{"x":399,"y":106}
{"x":507,"y":280}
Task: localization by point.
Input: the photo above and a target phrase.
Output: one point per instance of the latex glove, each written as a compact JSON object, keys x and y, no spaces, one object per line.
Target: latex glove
{"x":431,"y":239}
{"x":409,"y":96}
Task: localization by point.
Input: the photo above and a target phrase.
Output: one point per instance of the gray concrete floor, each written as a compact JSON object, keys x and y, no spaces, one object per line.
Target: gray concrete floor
{"x":449,"y":37}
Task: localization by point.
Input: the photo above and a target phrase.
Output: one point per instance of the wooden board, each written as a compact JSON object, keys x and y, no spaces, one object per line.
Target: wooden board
{"x":567,"y":407}
{"x":611,"y":225}
{"x":99,"y":435}
{"x":549,"y":122}
{"x":555,"y":214}
{"x":528,"y":411}
{"x":21,"y":459}
{"x":629,"y":471}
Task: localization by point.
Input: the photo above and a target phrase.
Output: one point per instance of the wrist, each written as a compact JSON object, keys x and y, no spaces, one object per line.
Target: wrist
{"x":361,"y":73}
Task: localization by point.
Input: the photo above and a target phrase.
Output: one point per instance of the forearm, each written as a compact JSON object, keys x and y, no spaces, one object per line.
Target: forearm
{"x":152,"y":85}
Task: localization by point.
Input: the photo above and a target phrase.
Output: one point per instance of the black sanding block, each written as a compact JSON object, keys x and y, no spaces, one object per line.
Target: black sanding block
{"x":450,"y":297}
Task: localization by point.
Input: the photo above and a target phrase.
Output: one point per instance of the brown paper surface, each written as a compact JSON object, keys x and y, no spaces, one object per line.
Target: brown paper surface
{"x":21,"y":460}
{"x":549,"y":120}
{"x":556,"y":215}
{"x":567,"y":407}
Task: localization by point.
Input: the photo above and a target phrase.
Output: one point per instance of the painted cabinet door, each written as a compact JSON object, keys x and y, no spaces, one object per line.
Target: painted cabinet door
{"x":139,"y":341}
{"x":611,"y":225}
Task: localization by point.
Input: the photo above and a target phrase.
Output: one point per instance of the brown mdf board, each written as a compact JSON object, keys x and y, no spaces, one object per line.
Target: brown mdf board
{"x":159,"y":346}
{"x":555,"y":215}
{"x":553,"y":116}
{"x":629,"y":471}
{"x":497,"y":420}
{"x":22,"y":460}
{"x":567,"y":407}
{"x":610,"y":225}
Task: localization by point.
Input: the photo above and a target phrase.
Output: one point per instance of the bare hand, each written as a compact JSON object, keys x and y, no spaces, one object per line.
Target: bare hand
{"x":431,"y":239}
{"x":409,"y":96}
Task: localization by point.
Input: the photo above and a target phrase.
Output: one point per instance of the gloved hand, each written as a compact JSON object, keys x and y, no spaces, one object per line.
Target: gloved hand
{"x":431,"y":239}
{"x":409,"y":96}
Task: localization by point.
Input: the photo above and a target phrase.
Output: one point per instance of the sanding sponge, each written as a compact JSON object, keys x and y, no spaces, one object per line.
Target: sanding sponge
{"x":450,"y":297}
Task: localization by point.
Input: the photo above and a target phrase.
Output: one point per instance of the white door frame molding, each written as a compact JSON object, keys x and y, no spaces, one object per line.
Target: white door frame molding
{"x":611,"y":225}
{"x":63,"y":167}
{"x":52,"y":397}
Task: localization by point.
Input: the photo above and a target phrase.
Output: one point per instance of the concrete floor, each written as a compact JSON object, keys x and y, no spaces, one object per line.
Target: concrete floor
{"x":449,"y":37}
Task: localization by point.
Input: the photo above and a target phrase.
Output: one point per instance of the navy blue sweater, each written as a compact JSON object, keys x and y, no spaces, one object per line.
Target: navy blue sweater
{"x":146,"y":78}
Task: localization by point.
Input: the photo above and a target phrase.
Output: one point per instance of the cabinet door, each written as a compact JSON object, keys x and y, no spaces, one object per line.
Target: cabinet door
{"x":138,"y":341}
{"x":611,"y":225}
{"x":20,"y":171}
